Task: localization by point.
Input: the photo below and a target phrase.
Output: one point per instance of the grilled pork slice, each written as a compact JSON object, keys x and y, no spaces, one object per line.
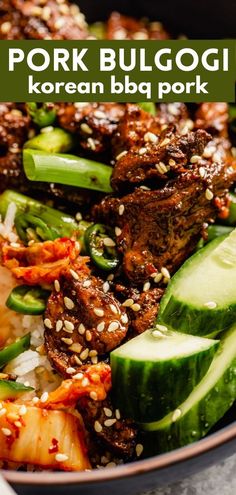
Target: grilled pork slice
{"x":213,"y":117}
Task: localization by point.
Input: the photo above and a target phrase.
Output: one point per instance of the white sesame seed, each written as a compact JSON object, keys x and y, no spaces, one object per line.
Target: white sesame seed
{"x":165,"y":142}
{"x":97,"y":427}
{"x":78,"y":376}
{"x":81,"y":329}
{"x":209,"y":194}
{"x":74,"y":274}
{"x":165,"y":273}
{"x":59,"y":23}
{"x":123,"y":153}
{"x":78,"y":216}
{"x":142,"y":151}
{"x":114,"y":325}
{"x":94,"y":360}
{"x":85,"y":382}
{"x":106,"y":287}
{"x":44,"y":397}
{"x":124,"y":318}
{"x":128,"y":302}
{"x":110,"y":277}
{"x":93,"y":353}
{"x":172,"y":162}
{"x":98,"y":312}
{"x":158,"y":278}
{"x":146,"y":286}
{"x":76,"y":347}
{"x":210,"y":304}
{"x":121,"y":209}
{"x":145,"y":188}
{"x":77,"y":360}
{"x":101,"y":326}
{"x":107,"y":241}
{"x":195,"y":159}
{"x":209,"y":151}
{"x":162,"y":328}
{"x":110,"y":422}
{"x":202,"y":172}
{"x":23,"y":410}
{"x":59,"y":325}
{"x":87,"y":283}
{"x":216,"y":157}
{"x":114,"y":309}
{"x":117,"y":413}
{"x":3,"y":411}
{"x":85,"y":128}
{"x":136,"y":307}
{"x":17,"y":424}
{"x":176,"y":415}
{"x":35,"y":400}
{"x":70,"y":370}
{"x":91,"y":143}
{"x":48,"y":323}
{"x":161,"y":168}
{"x":67,"y":341}
{"x":57,"y":285}
{"x":88,"y":335}
{"x":99,"y":114}
{"x":150,"y":137}
{"x":68,"y":303}
{"x":93,"y":395}
{"x":108,"y":412}
{"x":84,"y":354}
{"x":6,"y":432}
{"x":69,"y":325}
{"x":26,"y":384}
{"x":139,"y":449}
{"x":61,"y":457}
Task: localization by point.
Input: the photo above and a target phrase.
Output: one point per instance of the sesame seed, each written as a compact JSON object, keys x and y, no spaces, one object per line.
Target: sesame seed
{"x":128,"y":302}
{"x":176,"y":415}
{"x":91,"y":143}
{"x":149,"y":137}
{"x":88,"y":335}
{"x":208,"y":152}
{"x":67,"y":341}
{"x":110,"y":277}
{"x":48,"y":323}
{"x":87,"y":283}
{"x":59,"y":23}
{"x":121,"y":209}
{"x":108,"y":412}
{"x":142,"y":151}
{"x":110,"y":422}
{"x":59,"y":325}
{"x":146,"y":286}
{"x":61,"y":457}
{"x":165,"y":142}
{"x":26,"y":384}
{"x":202,"y":172}
{"x":107,"y":241}
{"x":74,"y":274}
{"x":98,"y":312}
{"x":81,"y":329}
{"x":68,"y":303}
{"x":209,"y":194}
{"x":117,"y":413}
{"x":158,"y":278}
{"x":18,"y":424}
{"x":99,"y":114}
{"x":163,"y":328}
{"x":44,"y":397}
{"x":165,"y":273}
{"x":5,"y":27}
{"x":124,"y":318}
{"x":145,"y":188}
{"x":85,"y":382}
{"x":77,"y":360}
{"x":70,"y":370}
{"x":3,"y":411}
{"x":139,"y":449}
{"x":76,"y":347}
{"x":84,"y":354}
{"x":23,"y":410}
{"x":136,"y":307}
{"x":35,"y":400}
{"x":94,"y":360}
{"x":78,"y":376}
{"x":106,"y":287}
{"x":210,"y":304}
{"x":57,"y":285}
{"x":114,"y":309}
{"x":114,"y":325}
{"x":97,"y":427}
{"x":69,"y":326}
{"x":6,"y":432}
{"x":101,"y":326}
{"x":85,"y":128}
{"x":161,"y":168}
{"x":78,"y":216}
{"x":123,"y":153}
{"x":172,"y":162}
{"x":195,"y":159}
{"x":93,"y":395}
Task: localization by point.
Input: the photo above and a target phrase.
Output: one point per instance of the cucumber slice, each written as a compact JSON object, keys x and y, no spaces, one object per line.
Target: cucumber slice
{"x":12,"y":390}
{"x":207,"y":403}
{"x":154,"y":372}
{"x":201,"y":298}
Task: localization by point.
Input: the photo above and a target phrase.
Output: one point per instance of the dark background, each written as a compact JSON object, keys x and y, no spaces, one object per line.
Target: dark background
{"x":195,"y":18}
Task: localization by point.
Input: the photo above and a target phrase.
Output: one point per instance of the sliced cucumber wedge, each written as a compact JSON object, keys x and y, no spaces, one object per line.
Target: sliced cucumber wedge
{"x":207,"y":403}
{"x":201,"y":298}
{"x":154,"y":372}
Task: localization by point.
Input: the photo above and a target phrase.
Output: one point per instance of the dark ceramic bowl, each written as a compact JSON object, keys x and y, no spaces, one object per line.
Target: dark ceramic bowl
{"x":197,"y":19}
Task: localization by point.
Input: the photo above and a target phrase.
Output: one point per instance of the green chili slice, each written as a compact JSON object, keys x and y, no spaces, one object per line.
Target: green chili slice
{"x":99,"y":241}
{"x":28,"y":300}
{"x":13,"y":350}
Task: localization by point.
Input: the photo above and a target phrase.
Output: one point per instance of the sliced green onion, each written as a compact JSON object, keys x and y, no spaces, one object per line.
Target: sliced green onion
{"x":148,"y":106}
{"x":42,"y":114}
{"x":54,"y":141}
{"x":67,"y":169}
{"x":13,"y":350}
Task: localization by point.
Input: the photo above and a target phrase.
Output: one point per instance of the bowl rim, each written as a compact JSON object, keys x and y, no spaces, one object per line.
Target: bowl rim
{"x":155,"y":463}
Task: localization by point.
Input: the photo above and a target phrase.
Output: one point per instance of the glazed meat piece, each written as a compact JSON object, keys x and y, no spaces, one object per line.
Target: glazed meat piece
{"x":120,"y":27}
{"x":160,"y":228}
{"x":158,"y":157}
{"x":82,"y":322}
{"x":14,"y":128}
{"x":93,"y":123}
{"x":213,"y":117}
{"x":175,"y":113}
{"x":107,"y":429}
{"x":42,"y":19}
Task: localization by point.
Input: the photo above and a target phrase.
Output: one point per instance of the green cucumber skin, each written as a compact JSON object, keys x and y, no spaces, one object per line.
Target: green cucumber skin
{"x":203,"y":322}
{"x":130,"y":379}
{"x":197,"y":422}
